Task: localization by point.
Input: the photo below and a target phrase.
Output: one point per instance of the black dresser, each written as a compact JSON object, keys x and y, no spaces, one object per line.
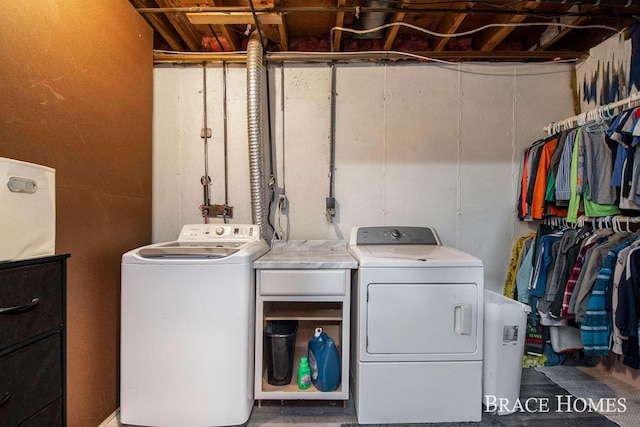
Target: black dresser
{"x":33,"y":342}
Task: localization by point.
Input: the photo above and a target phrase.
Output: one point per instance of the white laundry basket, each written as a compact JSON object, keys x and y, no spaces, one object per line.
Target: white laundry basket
{"x":27,"y":210}
{"x":505,"y":326}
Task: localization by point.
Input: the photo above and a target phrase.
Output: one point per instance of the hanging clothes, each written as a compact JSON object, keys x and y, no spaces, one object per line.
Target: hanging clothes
{"x":554,"y":166}
{"x":591,"y":272}
{"x":514,"y":265}
{"x":581,"y":279}
{"x":588,"y":187}
{"x":591,"y":307}
{"x":593,"y":170}
{"x":627,"y":318}
{"x":569,"y":240}
{"x":597,"y":327}
{"x":563,"y":180}
{"x":528,"y":179}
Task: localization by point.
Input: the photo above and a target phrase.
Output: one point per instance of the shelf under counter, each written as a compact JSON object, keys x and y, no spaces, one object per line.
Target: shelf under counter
{"x":314,"y":294}
{"x":287,"y":310}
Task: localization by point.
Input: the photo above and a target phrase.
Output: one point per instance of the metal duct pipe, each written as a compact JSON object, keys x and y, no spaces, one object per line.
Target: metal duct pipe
{"x":372,"y":20}
{"x":255,"y":71}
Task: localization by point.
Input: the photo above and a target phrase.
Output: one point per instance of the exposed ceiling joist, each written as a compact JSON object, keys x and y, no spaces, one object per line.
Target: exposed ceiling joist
{"x":449,"y":24}
{"x":162,"y":25}
{"x":337,"y":37}
{"x":491,"y":39}
{"x":241,"y":18}
{"x":561,"y":32}
{"x":393,"y":31}
{"x":282,"y":30}
{"x":221,"y":25}
{"x":180,"y":23}
{"x":223,"y":32}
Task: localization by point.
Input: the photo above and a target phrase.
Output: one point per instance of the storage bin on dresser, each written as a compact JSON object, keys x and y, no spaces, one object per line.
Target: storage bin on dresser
{"x":32,"y":342}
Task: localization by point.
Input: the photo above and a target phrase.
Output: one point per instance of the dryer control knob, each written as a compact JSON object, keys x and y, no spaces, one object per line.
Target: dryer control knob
{"x":220,"y":231}
{"x":395,"y":234}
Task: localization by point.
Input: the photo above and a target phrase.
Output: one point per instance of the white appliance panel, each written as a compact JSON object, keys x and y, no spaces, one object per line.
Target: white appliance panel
{"x":416,"y":256}
{"x":418,"y":330}
{"x":419,"y":392}
{"x":188,"y":320}
{"x":187,"y":328}
{"x":422,"y":318}
{"x":414,"y":306}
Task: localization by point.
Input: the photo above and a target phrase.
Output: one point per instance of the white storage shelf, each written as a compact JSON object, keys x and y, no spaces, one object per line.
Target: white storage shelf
{"x":313,"y":298}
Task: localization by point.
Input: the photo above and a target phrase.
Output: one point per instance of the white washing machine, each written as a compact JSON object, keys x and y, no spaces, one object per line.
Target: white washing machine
{"x":187,"y":328}
{"x":416,"y":328}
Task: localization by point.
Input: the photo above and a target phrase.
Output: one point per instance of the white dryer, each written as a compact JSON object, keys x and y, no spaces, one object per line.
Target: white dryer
{"x":416,"y":328}
{"x":187,"y":328}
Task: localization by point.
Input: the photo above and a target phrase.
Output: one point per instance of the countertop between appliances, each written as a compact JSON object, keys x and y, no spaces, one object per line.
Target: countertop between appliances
{"x":307,"y":254}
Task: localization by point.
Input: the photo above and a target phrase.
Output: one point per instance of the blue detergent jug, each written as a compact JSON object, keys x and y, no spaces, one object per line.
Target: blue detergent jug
{"x":324,"y":362}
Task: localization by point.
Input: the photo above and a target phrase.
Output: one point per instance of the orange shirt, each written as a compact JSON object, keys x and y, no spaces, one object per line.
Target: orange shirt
{"x":540,"y":186}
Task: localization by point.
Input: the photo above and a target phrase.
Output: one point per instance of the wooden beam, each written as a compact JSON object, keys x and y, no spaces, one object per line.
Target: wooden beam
{"x":566,"y":30}
{"x":449,"y":24}
{"x":222,"y":30}
{"x":221,"y":18}
{"x":191,"y":39}
{"x":392,"y":32}
{"x":487,"y":41}
{"x":162,"y":25}
{"x":337,"y":37}
{"x":282,"y":29}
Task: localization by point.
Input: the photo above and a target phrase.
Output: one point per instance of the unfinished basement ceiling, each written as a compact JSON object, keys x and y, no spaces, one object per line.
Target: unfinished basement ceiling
{"x":456,"y":30}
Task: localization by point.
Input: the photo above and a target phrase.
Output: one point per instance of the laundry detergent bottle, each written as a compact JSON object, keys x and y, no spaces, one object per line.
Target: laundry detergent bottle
{"x":304,"y":374}
{"x":324,"y":361}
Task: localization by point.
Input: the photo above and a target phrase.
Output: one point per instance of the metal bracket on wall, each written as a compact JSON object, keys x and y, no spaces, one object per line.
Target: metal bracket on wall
{"x":219,"y":211}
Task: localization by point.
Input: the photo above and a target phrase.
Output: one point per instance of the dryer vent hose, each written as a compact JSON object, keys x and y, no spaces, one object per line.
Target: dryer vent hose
{"x":255,"y":77}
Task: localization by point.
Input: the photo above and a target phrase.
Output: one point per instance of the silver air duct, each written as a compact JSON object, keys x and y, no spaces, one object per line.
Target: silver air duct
{"x":255,"y":70}
{"x":371,"y":20}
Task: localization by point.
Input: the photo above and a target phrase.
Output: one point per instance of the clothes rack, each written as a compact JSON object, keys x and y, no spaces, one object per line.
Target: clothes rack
{"x":618,"y":223}
{"x":591,"y":115}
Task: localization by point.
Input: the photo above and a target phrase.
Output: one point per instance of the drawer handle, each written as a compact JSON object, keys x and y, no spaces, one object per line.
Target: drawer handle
{"x":20,"y":308}
{"x":4,"y":399}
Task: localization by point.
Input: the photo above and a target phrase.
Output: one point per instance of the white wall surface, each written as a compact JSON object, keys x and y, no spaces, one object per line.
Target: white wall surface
{"x":416,"y":144}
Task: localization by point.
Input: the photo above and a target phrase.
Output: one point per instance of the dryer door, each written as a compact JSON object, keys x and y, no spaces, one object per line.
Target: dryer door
{"x":422,"y":319}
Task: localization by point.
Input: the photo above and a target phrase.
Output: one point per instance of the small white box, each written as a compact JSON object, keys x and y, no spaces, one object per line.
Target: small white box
{"x":27,"y":210}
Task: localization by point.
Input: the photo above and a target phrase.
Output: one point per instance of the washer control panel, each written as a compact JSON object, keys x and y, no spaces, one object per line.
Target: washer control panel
{"x":394,"y":235}
{"x":217,"y":232}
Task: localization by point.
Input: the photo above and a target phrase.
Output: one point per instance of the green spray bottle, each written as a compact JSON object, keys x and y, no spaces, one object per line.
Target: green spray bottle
{"x":304,"y":374}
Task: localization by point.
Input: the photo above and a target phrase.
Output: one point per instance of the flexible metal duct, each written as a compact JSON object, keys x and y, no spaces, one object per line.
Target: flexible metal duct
{"x":371,"y":20}
{"x":255,"y":70}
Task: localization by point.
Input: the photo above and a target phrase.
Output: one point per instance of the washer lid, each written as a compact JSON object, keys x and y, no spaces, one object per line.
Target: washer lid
{"x":412,"y":256}
{"x":205,"y":241}
{"x":190,"y":250}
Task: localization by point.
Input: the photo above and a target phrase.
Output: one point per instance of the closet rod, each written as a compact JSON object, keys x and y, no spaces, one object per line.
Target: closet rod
{"x":571,"y":122}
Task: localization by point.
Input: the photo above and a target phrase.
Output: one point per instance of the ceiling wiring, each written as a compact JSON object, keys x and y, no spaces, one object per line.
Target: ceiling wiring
{"x":470,"y":32}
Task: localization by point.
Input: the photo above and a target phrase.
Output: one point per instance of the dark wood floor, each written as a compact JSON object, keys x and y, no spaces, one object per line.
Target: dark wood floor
{"x":332,"y":414}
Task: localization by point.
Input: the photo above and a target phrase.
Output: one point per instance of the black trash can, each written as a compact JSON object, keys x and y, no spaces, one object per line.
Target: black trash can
{"x":279,"y":349}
